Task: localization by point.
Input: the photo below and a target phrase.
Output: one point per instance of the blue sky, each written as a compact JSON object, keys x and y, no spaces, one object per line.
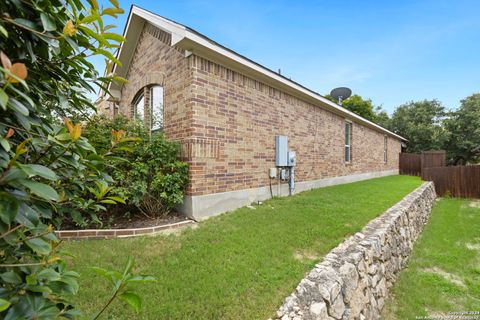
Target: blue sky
{"x":389,"y":51}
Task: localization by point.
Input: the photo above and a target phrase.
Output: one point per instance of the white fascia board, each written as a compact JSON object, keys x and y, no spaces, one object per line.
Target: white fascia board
{"x":132,"y":32}
{"x":196,"y":38}
{"x":176,"y":30}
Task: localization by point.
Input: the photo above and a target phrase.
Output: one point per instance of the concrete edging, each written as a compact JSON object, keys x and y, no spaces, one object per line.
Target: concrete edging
{"x":89,"y":234}
{"x":353,"y":280}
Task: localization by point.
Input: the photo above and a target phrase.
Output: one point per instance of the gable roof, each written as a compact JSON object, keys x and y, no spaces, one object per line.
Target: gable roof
{"x":194,"y":42}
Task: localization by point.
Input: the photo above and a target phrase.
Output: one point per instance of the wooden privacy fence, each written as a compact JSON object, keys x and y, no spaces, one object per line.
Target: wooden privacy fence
{"x":457,"y":181}
{"x":412,"y":163}
{"x":434,"y":158}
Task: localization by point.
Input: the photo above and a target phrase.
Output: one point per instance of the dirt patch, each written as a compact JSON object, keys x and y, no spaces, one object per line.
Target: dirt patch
{"x":177,"y":231}
{"x":474,"y":204}
{"x":436,"y":314}
{"x":450,"y":277}
{"x":473,"y":245}
{"x":305,"y":255}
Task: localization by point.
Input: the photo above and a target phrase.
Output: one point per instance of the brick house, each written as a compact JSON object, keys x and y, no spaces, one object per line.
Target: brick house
{"x":226,"y":110}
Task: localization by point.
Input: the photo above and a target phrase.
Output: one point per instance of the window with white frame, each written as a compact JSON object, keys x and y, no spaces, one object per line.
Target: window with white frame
{"x":348,"y":141}
{"x":139,"y":107}
{"x":156,"y":108}
{"x":150,"y":100}
{"x":385,"y":148}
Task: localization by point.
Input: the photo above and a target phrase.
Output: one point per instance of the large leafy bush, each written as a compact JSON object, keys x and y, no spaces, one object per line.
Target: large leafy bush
{"x":47,"y":169}
{"x":150,"y":176}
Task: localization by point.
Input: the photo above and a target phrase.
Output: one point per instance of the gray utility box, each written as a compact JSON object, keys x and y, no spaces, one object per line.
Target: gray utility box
{"x":291,"y":158}
{"x":281,"y":151}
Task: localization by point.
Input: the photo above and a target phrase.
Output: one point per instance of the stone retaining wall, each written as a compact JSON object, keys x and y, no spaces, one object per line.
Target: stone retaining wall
{"x":353,"y":280}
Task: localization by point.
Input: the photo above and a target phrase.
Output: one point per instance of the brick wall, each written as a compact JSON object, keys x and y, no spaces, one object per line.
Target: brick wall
{"x":155,"y":62}
{"x":244,"y":115}
{"x":227,"y":122}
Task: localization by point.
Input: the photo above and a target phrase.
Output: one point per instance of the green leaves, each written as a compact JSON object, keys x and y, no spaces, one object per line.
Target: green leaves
{"x":144,"y":183}
{"x":47,"y":22}
{"x":8,"y":207}
{"x":4,"y":304}
{"x":90,"y":18}
{"x":3,"y":99}
{"x":11,"y":277}
{"x":42,"y":190}
{"x":89,"y":32}
{"x":26,"y":24}
{"x":19,"y":107}
{"x":33,"y":170}
{"x":120,"y":283}
{"x":113,"y":11}
{"x":132,"y":299}
{"x":463,"y":126}
{"x":46,"y":169}
{"x":419,"y":122}
{"x":49,"y":275}
{"x":3,"y":31}
{"x":113,"y":36}
{"x":39,"y":245}
{"x":109,"y":55}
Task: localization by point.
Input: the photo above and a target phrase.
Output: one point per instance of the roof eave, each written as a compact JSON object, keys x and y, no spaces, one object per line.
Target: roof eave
{"x":201,"y":46}
{"x":192,"y":41}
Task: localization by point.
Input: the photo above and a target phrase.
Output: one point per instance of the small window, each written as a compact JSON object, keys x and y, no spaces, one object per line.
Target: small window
{"x":385,"y":149}
{"x":139,"y":108}
{"x":156,"y":107}
{"x":348,"y":142}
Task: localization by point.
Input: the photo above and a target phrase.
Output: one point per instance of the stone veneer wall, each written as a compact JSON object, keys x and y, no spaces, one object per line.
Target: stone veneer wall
{"x":352,"y":281}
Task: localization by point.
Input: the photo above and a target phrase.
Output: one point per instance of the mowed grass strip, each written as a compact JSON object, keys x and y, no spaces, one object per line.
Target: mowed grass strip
{"x":443,"y":273}
{"x":240,"y":265}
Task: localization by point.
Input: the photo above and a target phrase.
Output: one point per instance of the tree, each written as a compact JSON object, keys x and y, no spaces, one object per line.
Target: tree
{"x":365,"y":109}
{"x":47,"y":169}
{"x":357,"y":105}
{"x":464,"y":132}
{"x":382,"y":118}
{"x":421,"y":123}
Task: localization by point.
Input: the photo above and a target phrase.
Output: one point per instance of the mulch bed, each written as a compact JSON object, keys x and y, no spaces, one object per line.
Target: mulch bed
{"x":141,"y":221}
{"x":134,"y":221}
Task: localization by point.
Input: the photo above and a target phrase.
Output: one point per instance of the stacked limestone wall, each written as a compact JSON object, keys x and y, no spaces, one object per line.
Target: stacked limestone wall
{"x":352,"y":281}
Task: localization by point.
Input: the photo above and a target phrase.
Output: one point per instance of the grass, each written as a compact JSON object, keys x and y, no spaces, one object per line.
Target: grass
{"x":443,"y":273}
{"x":240,"y":265}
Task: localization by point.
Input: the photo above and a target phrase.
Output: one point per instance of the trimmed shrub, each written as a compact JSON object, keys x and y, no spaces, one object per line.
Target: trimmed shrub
{"x":150,"y":175}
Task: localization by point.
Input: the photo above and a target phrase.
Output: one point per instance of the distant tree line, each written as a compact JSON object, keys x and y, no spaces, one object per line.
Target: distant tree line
{"x":428,"y":125}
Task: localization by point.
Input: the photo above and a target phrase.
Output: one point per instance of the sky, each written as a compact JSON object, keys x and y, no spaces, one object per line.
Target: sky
{"x":389,"y":51}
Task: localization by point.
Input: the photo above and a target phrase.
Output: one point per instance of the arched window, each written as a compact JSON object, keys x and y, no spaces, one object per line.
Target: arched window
{"x":156,"y":107}
{"x":150,"y":100}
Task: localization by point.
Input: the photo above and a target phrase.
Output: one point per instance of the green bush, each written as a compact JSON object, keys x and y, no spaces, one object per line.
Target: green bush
{"x":149,"y":177}
{"x":99,"y":129}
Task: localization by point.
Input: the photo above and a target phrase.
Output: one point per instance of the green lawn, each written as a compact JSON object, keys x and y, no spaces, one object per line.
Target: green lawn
{"x":240,"y":265}
{"x":443,"y":274}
